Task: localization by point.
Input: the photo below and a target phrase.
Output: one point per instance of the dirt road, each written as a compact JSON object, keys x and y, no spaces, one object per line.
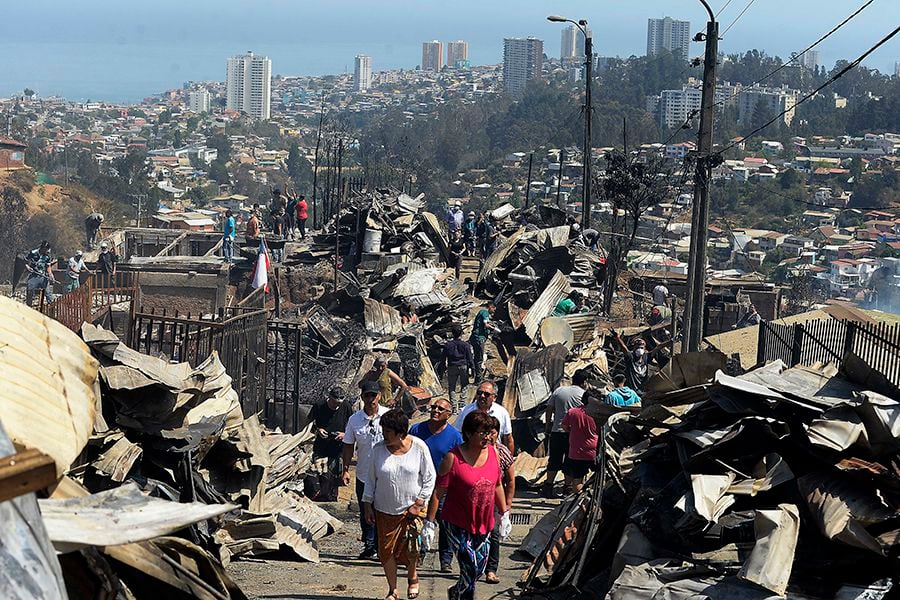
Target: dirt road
{"x":340,"y":574}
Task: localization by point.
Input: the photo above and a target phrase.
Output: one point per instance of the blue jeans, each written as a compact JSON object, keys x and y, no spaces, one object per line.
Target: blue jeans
{"x":368,"y":531}
{"x":228,"y":249}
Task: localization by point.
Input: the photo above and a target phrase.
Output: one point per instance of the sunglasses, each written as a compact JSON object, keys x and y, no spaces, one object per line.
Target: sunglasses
{"x":484,"y":393}
{"x":439,"y":409}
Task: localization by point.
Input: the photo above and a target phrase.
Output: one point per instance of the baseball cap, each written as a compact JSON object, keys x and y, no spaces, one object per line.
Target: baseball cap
{"x":471,"y":213}
{"x":104,"y":245}
{"x":371,"y":387}
{"x":337,"y":392}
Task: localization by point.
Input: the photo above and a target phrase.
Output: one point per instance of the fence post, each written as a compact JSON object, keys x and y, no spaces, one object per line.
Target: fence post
{"x":849,"y":338}
{"x":797,"y":345}
{"x":761,"y":343}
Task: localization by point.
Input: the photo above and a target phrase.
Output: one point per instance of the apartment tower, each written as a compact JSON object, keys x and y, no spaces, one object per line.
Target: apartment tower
{"x":668,"y":34}
{"x":457,"y":53}
{"x":522,"y":62}
{"x":248,"y":85}
{"x":432,"y":56}
{"x":362,"y":73}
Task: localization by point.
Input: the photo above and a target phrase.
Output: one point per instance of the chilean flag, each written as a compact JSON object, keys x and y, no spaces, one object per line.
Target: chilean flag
{"x":261,"y":270}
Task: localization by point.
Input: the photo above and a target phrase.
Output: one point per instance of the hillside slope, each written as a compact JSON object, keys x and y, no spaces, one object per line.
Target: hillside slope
{"x":31,"y":212}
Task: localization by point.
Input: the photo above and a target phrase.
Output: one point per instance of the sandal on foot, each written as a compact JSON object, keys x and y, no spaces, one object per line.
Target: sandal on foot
{"x":491,"y":578}
{"x":411,"y":593}
{"x":392,"y":596}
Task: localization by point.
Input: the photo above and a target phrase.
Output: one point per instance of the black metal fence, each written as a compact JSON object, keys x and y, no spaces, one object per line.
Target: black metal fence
{"x":239,"y":336}
{"x":829,"y":341}
{"x":284,"y":375}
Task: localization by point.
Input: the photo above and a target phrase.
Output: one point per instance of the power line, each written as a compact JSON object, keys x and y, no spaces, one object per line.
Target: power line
{"x":721,"y":10}
{"x":799,"y":54}
{"x":738,"y":18}
{"x":830,"y":80}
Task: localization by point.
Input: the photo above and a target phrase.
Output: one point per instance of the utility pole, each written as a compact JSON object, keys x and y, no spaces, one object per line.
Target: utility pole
{"x":528,"y":186}
{"x":588,"y":118}
{"x":316,"y":162}
{"x":696,"y":282}
{"x":562,"y":159}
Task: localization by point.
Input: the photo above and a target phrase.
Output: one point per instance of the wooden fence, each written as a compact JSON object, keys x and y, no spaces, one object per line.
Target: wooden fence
{"x":96,"y":295}
{"x":829,"y":341}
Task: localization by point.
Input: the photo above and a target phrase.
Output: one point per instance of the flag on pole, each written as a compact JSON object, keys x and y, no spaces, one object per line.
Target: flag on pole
{"x":261,"y":270}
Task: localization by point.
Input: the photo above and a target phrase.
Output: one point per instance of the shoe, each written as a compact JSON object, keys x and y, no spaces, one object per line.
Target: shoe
{"x":368,"y":553}
{"x":446,"y":568}
{"x":491,"y":578}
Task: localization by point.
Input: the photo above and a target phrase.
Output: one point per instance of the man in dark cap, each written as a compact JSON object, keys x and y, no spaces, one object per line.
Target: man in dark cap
{"x":329,"y":418}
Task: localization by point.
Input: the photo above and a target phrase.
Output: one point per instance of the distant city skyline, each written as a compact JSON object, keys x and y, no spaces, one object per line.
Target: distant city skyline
{"x":101,"y":49}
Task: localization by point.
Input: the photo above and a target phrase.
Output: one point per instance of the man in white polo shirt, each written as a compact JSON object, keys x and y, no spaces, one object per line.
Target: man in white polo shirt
{"x":484,"y":401}
{"x":363,"y":432}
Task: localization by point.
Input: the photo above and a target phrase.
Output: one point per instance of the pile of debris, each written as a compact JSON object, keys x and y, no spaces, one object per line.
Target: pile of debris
{"x":780,"y":482}
{"x":142,"y":449}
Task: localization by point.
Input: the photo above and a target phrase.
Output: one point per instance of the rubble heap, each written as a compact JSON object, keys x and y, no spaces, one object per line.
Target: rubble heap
{"x":776,"y":483}
{"x":136,"y":450}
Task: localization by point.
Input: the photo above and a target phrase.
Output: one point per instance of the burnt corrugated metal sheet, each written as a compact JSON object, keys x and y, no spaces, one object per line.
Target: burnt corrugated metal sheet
{"x":435,"y":298}
{"x":584,"y":326}
{"x":555,"y":291}
{"x":500,"y":254}
{"x":381,"y":319}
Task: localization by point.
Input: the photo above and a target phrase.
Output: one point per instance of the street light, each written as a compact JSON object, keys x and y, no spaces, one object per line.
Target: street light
{"x":588,"y":113}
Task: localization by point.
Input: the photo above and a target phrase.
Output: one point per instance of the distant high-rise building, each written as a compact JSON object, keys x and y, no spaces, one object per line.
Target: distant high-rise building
{"x":897,"y":69}
{"x":668,"y":34}
{"x":432,"y":56}
{"x":198,"y":101}
{"x":809,"y":60}
{"x":568,"y":43}
{"x":522,"y":62}
{"x":457,"y":53}
{"x":772,"y":100}
{"x":362,"y":73}
{"x":248,"y":85}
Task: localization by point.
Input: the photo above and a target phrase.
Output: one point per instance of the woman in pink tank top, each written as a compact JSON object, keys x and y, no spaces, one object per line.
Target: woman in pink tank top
{"x":470,"y":477}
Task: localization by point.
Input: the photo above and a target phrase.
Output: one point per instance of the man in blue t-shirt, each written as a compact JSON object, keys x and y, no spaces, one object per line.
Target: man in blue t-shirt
{"x":622,"y":395}
{"x":440,"y":437}
{"x":228,"y":237}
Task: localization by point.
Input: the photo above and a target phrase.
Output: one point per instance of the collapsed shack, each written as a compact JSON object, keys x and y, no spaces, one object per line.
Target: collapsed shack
{"x":781,"y":482}
{"x":157,"y":478}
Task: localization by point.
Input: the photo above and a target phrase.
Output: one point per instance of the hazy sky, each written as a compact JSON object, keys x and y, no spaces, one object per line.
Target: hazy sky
{"x":175,"y":40}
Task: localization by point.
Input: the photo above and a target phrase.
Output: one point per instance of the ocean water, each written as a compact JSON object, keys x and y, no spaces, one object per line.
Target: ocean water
{"x":126,"y":72}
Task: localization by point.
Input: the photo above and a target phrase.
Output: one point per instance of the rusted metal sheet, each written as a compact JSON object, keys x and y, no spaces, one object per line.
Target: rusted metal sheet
{"x":555,"y":291}
{"x":584,"y":326}
{"x":381,"y":320}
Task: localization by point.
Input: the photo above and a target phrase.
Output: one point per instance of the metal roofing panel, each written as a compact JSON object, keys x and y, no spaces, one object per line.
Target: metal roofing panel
{"x":555,"y":291}
{"x":381,"y":319}
{"x":418,"y":282}
{"x":505,"y":249}
{"x":533,"y":389}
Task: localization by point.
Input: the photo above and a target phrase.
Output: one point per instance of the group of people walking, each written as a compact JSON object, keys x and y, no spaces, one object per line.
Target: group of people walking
{"x":475,"y":233}
{"x":437,"y":485}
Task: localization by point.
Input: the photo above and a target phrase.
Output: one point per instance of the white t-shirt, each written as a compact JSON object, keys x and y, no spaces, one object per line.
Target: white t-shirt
{"x":496,"y":410}
{"x":395,"y":482}
{"x":365,"y":432}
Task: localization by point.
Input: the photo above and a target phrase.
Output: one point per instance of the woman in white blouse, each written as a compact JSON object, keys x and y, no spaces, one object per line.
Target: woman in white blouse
{"x":400,"y":482}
